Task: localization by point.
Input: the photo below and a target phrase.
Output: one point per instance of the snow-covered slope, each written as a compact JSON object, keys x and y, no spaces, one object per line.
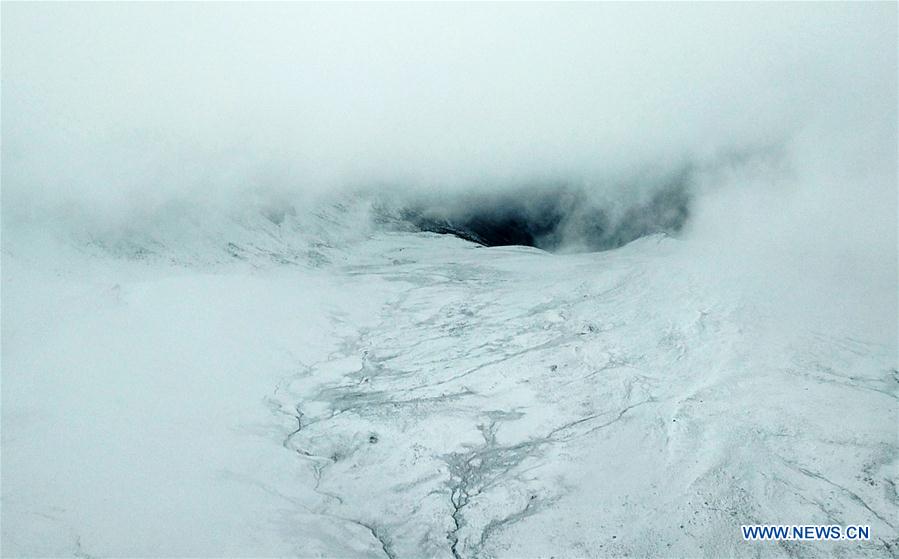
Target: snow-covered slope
{"x":260,"y":388}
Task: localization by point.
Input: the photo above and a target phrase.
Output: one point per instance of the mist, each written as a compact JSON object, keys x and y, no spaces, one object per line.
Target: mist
{"x":448,"y":280}
{"x":779,"y":120}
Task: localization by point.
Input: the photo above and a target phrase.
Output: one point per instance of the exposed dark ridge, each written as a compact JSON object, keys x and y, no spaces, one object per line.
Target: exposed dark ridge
{"x":553,"y":218}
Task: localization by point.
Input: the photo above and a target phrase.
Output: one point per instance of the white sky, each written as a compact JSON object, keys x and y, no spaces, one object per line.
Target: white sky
{"x":325,"y":93}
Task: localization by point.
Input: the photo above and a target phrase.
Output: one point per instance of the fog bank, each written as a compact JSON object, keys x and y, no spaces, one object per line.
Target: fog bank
{"x":783,"y":115}
{"x":107,"y":102}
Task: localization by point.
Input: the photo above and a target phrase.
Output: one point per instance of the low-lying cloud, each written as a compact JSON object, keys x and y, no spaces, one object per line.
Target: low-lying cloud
{"x":113,"y":101}
{"x":784,"y":116}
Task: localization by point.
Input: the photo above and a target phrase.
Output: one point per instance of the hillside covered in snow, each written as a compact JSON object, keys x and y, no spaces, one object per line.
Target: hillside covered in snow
{"x":399,"y":394}
{"x":448,"y":280}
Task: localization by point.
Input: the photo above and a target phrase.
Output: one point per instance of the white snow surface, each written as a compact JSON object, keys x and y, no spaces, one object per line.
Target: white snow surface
{"x":266,"y":389}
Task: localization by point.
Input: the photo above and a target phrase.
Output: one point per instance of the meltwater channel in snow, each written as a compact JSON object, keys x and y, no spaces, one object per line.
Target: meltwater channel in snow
{"x":449,"y":280}
{"x":386,"y":393}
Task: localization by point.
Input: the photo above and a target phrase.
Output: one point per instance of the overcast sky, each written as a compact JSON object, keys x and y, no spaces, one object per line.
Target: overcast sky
{"x":110,"y":97}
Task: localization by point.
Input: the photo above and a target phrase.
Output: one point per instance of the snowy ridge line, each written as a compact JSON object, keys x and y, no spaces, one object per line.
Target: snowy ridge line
{"x":197,"y":236}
